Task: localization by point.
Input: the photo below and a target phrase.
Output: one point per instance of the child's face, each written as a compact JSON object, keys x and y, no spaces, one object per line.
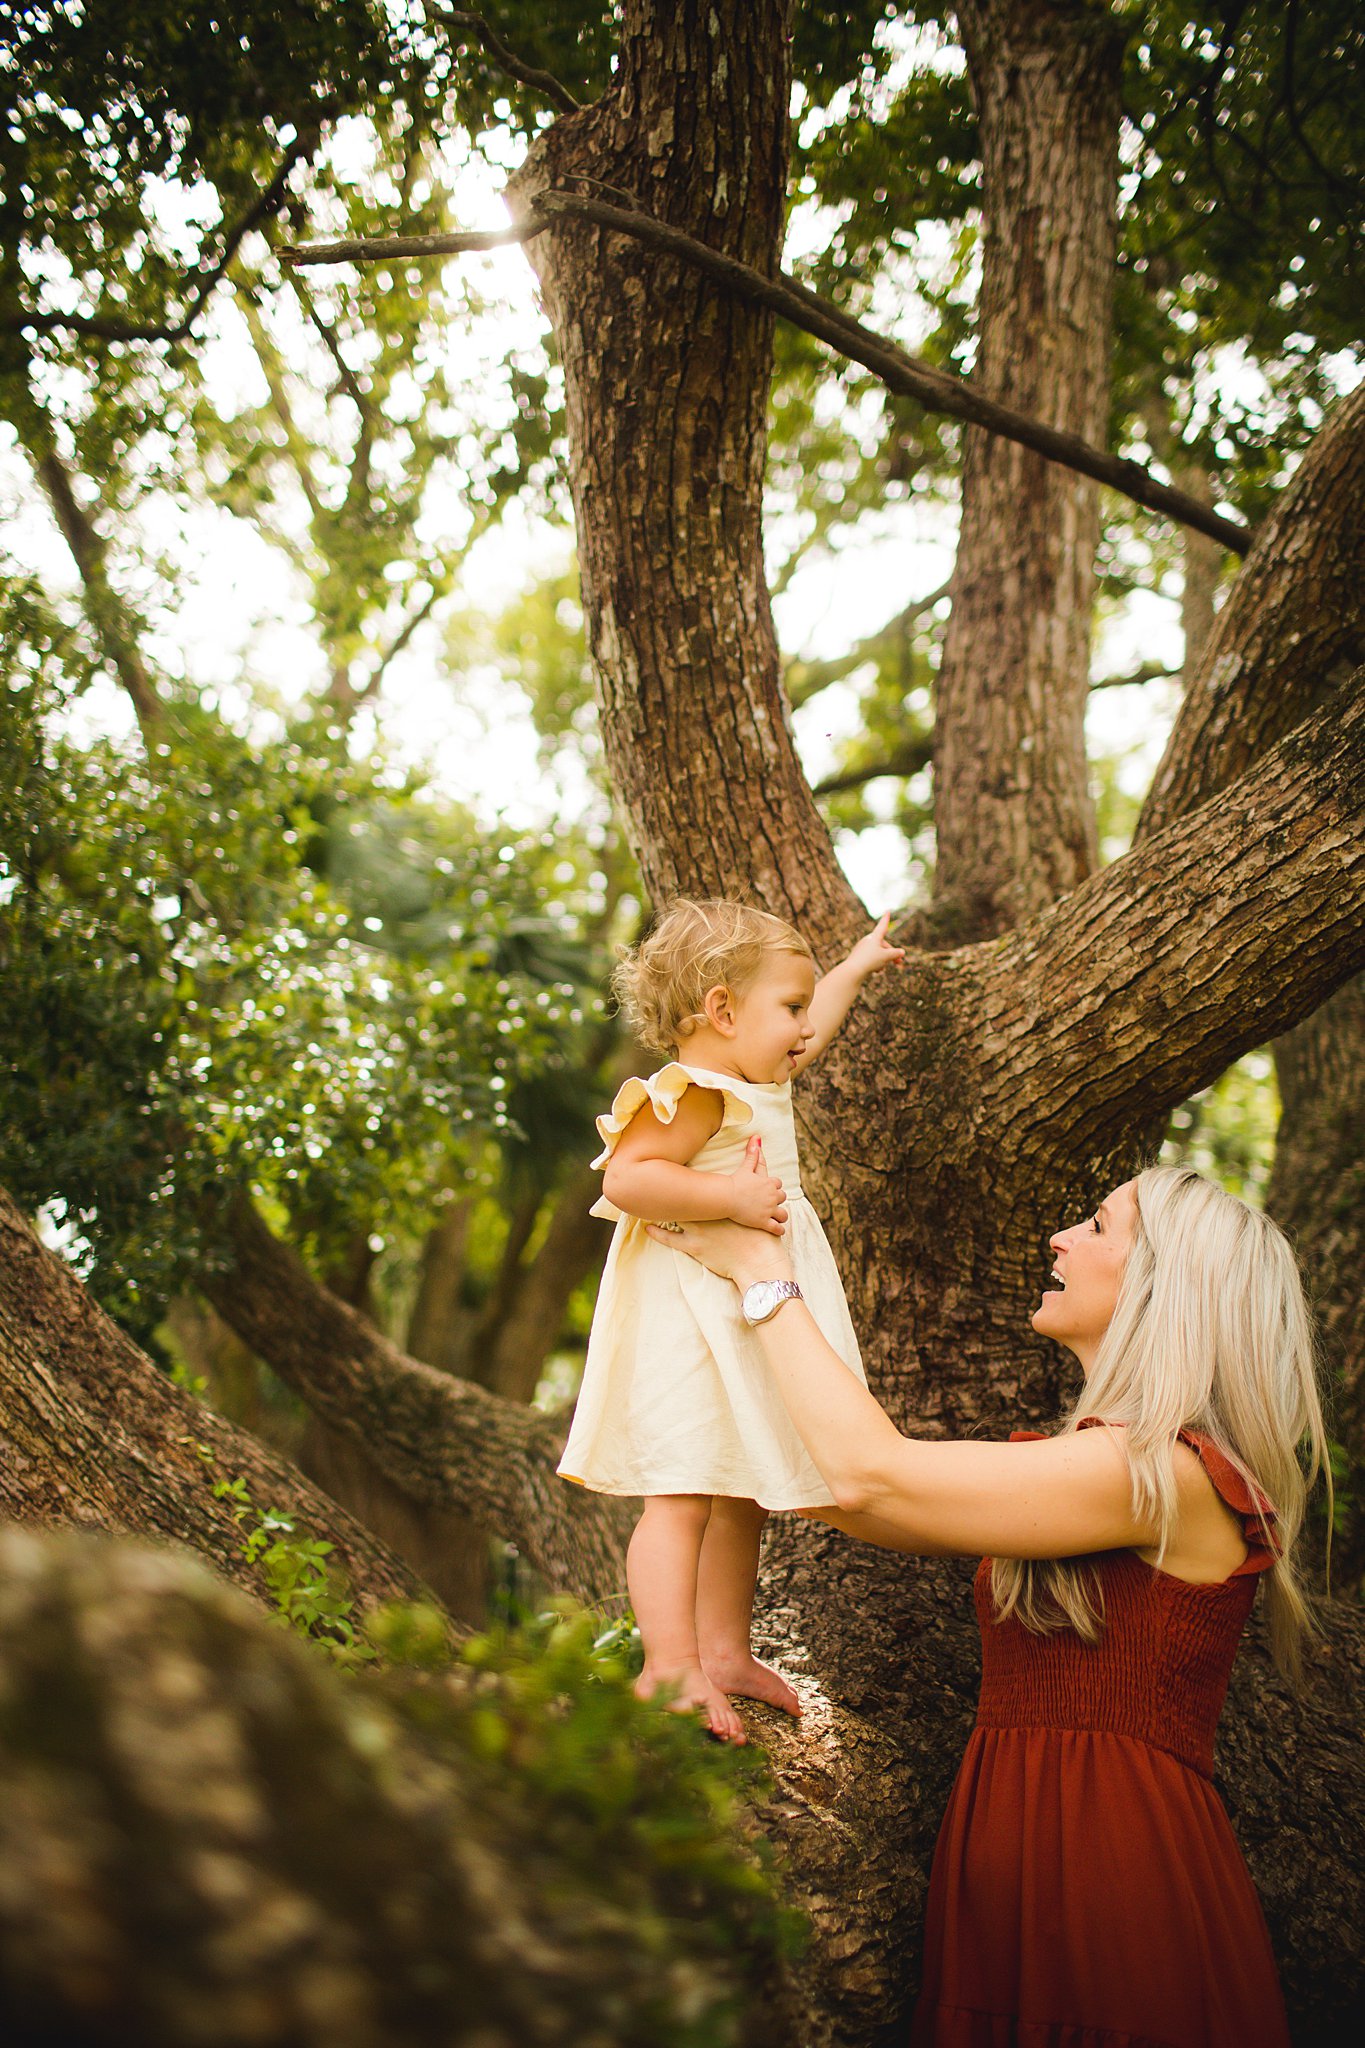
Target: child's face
{"x":772,"y":1024}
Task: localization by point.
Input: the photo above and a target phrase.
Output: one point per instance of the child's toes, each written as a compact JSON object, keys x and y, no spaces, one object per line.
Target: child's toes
{"x":723,"y":1721}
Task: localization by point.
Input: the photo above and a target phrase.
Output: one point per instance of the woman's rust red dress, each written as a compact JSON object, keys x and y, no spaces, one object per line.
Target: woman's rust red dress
{"x":1087,"y":1890}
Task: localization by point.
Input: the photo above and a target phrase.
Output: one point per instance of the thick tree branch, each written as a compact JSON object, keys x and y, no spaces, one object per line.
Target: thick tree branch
{"x":901,"y":372}
{"x":93,"y":1436}
{"x":201,"y":284}
{"x":1292,"y":623}
{"x":1206,"y":940}
{"x":442,"y":1441}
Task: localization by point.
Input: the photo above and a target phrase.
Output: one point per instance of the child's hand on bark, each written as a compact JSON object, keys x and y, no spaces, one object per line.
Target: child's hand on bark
{"x":875,"y":952}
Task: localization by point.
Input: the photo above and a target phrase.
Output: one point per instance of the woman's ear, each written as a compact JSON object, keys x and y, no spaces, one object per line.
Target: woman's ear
{"x":718,"y":1008}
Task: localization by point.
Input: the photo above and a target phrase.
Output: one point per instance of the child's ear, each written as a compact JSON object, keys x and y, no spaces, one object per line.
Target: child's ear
{"x":718,"y":1008}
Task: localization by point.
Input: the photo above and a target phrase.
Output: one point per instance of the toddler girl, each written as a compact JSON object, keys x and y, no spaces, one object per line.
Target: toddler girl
{"x":676,"y":1403}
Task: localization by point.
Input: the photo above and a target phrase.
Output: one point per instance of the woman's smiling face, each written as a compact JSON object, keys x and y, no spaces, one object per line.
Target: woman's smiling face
{"x":1078,"y":1307}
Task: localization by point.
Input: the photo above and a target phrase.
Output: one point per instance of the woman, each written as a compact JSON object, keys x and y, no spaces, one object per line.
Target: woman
{"x":1087,"y":1891}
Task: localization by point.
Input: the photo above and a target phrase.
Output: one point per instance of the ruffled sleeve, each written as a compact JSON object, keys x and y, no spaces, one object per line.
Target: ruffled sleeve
{"x":1251,"y":1508}
{"x":663,"y":1092}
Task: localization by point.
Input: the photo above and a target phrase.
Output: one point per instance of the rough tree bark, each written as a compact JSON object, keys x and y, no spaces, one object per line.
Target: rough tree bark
{"x":92,"y":1436}
{"x":1012,"y":815}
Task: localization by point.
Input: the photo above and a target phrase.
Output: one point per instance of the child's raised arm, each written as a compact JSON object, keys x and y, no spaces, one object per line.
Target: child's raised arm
{"x":837,"y":991}
{"x":646,"y":1175}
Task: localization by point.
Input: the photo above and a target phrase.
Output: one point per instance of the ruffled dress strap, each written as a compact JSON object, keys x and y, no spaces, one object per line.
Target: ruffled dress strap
{"x":1251,"y":1508}
{"x":663,"y":1092}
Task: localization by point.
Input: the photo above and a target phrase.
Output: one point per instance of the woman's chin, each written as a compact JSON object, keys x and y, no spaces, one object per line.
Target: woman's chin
{"x":1045,"y":1319}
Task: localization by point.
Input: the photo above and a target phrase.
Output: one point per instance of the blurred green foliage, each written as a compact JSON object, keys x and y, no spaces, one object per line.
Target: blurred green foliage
{"x":1228,"y":1130}
{"x":635,"y":1808}
{"x":258,"y":966}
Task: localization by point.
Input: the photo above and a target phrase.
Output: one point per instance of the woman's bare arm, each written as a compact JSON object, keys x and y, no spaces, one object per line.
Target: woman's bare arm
{"x":1060,"y":1497}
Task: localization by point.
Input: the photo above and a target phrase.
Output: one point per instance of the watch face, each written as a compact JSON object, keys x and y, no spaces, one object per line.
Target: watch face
{"x":760,"y":1300}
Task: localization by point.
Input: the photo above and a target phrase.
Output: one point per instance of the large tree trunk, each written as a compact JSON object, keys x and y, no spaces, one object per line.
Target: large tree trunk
{"x":1012,"y":814}
{"x":1006,"y":1084}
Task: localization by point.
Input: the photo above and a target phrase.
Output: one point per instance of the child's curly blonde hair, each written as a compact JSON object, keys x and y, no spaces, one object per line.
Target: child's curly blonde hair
{"x":661,"y":983}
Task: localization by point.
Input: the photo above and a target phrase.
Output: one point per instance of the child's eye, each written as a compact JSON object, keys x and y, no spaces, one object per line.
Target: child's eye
{"x":1096,"y":1222}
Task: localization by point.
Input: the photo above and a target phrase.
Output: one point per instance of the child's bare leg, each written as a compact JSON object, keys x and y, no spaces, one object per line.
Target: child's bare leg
{"x":661,"y":1571}
{"x":726,"y":1576}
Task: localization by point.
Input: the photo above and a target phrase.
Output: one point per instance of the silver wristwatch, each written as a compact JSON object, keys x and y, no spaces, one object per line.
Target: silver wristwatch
{"x":766,"y":1297}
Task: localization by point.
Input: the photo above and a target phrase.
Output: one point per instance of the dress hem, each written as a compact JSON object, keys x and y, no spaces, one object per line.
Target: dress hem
{"x":648,"y":1488}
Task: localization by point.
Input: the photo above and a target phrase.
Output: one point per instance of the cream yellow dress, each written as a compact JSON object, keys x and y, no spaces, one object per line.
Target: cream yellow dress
{"x":676,"y":1395}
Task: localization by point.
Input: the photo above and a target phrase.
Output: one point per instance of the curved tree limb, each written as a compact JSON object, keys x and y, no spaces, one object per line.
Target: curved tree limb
{"x":1293,"y":621}
{"x":1212,"y":936}
{"x":442,"y":1441}
{"x":901,"y":372}
{"x":93,"y":1436}
{"x":541,"y":81}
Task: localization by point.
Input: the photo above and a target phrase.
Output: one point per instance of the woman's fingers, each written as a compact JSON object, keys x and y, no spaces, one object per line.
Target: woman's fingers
{"x":676,"y":1236}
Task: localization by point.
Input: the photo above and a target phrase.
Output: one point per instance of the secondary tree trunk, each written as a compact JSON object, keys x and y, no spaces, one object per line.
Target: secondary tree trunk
{"x":666,"y":381}
{"x":1012,"y":814}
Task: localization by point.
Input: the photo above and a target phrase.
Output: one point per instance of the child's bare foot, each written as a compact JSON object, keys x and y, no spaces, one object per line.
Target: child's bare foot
{"x":743,"y":1674}
{"x":692,"y":1693}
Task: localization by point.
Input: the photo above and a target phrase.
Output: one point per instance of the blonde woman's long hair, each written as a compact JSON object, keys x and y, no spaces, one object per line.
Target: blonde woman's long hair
{"x":1211,"y":1332}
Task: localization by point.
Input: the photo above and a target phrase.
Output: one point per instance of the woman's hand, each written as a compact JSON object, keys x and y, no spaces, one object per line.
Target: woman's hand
{"x":733,"y":1250}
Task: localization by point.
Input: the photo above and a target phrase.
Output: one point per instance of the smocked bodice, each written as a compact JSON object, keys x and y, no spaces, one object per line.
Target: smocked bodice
{"x":1159,"y":1671}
